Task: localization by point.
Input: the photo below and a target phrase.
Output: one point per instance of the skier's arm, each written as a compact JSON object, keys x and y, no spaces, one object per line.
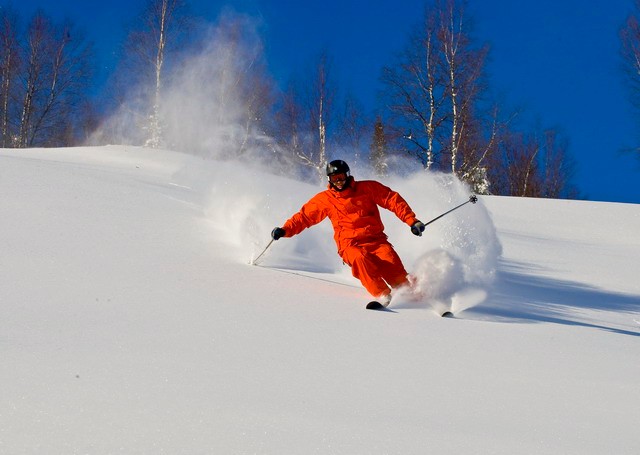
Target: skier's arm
{"x":391,"y":200}
{"x":310,"y":214}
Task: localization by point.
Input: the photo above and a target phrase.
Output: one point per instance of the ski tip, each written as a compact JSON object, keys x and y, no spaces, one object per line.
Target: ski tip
{"x":447,"y":314}
{"x":374,"y":305}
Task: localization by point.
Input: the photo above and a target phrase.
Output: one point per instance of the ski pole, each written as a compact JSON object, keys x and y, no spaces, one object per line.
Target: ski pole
{"x":473,"y":199}
{"x":255,"y":261}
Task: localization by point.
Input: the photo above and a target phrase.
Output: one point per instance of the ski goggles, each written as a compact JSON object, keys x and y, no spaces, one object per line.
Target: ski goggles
{"x":337,"y":178}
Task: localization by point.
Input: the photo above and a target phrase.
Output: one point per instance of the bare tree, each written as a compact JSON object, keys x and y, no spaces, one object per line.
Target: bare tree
{"x":87,"y":121}
{"x":477,"y":146}
{"x":306,"y":114}
{"x":434,"y":94}
{"x":519,"y":173}
{"x":288,"y":126}
{"x":416,"y":92}
{"x":68,"y":73}
{"x":319,"y":100}
{"x":464,"y":69}
{"x":352,"y":128}
{"x":558,"y":167}
{"x":38,"y":48}
{"x":9,"y":68}
{"x":437,"y":96}
{"x":146,"y":48}
{"x":54,"y":78}
{"x":535,"y":165}
{"x":244,"y":82}
{"x":630,"y":50}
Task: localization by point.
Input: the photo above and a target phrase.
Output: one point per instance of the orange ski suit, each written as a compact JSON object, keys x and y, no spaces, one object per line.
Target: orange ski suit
{"x":358,"y":230}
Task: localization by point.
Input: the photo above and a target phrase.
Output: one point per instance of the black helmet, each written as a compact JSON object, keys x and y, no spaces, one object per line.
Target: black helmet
{"x":337,"y":167}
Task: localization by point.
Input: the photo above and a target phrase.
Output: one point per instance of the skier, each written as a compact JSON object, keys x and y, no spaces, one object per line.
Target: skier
{"x":352,"y":207}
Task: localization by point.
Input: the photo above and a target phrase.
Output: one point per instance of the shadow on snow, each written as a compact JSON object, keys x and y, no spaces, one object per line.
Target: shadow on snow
{"x":521,"y":294}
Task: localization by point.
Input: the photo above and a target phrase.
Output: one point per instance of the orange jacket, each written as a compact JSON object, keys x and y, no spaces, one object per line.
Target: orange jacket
{"x":353,"y":212}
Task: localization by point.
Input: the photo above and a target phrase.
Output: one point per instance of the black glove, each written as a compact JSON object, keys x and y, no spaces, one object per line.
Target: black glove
{"x":417,"y":228}
{"x":279,"y":232}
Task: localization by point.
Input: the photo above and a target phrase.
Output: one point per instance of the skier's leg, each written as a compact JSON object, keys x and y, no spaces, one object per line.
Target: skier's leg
{"x":390,"y":265}
{"x":364,"y":267}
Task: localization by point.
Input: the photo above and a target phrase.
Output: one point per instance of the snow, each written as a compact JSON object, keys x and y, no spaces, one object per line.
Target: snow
{"x":132,"y":322}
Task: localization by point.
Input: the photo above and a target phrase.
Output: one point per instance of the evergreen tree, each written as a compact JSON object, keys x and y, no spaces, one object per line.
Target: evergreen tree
{"x":379,"y":149}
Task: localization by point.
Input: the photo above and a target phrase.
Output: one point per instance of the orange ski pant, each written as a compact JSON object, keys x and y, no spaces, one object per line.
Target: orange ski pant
{"x":376,"y":265}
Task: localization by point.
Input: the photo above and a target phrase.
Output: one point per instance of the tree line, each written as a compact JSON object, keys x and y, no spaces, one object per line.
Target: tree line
{"x":435,"y":107}
{"x":44,"y":69}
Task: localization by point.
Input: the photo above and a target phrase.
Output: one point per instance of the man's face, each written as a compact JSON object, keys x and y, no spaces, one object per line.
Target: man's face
{"x":338,"y":180}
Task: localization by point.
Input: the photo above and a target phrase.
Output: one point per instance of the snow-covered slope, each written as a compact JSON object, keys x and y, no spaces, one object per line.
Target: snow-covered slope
{"x":132,"y":322}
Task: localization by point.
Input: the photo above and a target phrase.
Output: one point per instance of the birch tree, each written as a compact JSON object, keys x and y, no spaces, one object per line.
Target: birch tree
{"x":472,"y":139}
{"x":54,"y":78}
{"x":434,"y":95}
{"x":319,"y":101}
{"x":67,"y":76}
{"x":416,"y":92}
{"x":37,"y":48}
{"x":9,"y":69}
{"x":147,"y":48}
{"x":306,"y":116}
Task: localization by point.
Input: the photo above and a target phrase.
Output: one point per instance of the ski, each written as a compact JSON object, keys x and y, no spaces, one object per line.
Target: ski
{"x":375,"y":305}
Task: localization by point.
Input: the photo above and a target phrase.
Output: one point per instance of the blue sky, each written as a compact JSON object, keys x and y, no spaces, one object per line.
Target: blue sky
{"x":557,"y":60}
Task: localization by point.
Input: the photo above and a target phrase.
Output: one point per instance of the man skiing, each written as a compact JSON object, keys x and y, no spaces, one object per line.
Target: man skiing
{"x":352,"y":207}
